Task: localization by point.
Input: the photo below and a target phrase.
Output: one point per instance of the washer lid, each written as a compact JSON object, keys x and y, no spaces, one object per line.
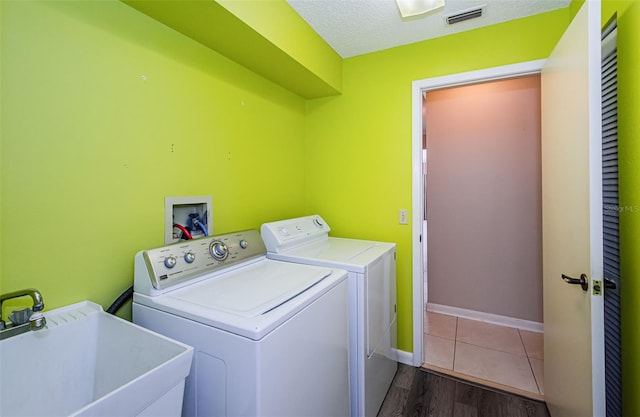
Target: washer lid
{"x":250,"y":301}
{"x":255,"y":290}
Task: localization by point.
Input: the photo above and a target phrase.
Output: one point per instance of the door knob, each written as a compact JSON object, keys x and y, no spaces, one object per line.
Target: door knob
{"x":583,"y":281}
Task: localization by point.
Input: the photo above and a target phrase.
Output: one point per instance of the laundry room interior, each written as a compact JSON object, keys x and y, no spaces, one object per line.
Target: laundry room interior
{"x":108,"y":108}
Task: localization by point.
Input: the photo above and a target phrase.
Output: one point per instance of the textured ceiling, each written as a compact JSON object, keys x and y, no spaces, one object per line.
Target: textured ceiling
{"x":356,"y":27}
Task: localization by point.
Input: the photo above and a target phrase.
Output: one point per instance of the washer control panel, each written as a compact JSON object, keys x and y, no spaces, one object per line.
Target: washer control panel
{"x":191,"y":259}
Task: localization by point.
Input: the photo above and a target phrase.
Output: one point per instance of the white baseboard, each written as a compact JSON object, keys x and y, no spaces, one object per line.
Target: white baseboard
{"x":405,"y":357}
{"x":532,"y":326}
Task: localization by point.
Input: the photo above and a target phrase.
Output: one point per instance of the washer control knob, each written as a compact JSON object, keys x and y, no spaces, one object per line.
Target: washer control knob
{"x":170,"y":261}
{"x":318,"y":223}
{"x":218,"y":250}
{"x":189,"y":257}
{"x":244,"y":244}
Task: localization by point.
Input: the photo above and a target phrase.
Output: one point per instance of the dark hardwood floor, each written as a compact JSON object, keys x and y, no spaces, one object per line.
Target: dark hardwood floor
{"x":417,"y":392}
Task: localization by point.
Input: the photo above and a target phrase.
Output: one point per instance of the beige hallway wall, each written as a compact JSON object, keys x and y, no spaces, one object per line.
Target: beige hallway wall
{"x":484,"y":198}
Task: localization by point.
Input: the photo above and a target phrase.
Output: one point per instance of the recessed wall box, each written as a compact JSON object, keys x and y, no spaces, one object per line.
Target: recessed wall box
{"x":192,"y":213}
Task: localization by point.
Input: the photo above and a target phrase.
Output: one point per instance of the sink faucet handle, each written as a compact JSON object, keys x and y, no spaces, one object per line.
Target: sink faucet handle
{"x":19,"y":317}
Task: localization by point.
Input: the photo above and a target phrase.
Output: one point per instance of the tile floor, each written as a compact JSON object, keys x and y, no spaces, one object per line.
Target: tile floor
{"x":504,"y":357}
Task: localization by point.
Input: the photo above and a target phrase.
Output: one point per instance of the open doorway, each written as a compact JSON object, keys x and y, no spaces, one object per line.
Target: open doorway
{"x":418,"y":89}
{"x":483,"y":205}
{"x":568,"y":88}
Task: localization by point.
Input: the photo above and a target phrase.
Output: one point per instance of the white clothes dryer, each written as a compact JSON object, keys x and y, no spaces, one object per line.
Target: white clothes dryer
{"x":270,"y":338}
{"x":372,"y":298}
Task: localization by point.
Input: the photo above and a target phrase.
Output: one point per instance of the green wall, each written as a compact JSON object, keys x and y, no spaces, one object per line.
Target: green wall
{"x":90,"y":149}
{"x":268,"y":37}
{"x":278,"y":22}
{"x":358,"y":145}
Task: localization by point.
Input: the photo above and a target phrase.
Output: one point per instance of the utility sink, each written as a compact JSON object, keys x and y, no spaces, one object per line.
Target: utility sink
{"x":90,"y":363}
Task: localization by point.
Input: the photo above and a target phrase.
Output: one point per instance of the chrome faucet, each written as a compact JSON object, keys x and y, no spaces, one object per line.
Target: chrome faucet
{"x":23,"y":320}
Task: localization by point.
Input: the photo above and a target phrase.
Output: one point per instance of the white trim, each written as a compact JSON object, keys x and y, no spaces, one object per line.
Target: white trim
{"x":405,"y":357}
{"x":416,"y":222}
{"x":483,"y":75}
{"x":532,"y":326}
{"x":417,"y":88}
{"x":594,"y":45}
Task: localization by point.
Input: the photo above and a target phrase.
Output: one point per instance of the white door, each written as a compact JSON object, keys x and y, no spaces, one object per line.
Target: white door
{"x":572,"y":220}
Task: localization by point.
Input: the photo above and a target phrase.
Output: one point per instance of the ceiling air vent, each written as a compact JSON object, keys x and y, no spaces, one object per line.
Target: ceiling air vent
{"x":464,"y":15}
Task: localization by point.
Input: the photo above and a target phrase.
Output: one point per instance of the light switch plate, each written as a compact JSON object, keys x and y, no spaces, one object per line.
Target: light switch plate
{"x":403,"y":216}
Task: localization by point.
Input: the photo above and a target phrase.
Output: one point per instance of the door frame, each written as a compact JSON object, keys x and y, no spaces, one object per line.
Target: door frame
{"x":417,"y":187}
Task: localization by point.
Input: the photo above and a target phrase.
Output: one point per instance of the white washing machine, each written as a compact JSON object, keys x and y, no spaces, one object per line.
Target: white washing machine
{"x":372,"y":298}
{"x":270,"y":338}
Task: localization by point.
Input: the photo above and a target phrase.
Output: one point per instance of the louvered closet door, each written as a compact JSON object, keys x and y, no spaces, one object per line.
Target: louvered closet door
{"x":610,"y":226}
